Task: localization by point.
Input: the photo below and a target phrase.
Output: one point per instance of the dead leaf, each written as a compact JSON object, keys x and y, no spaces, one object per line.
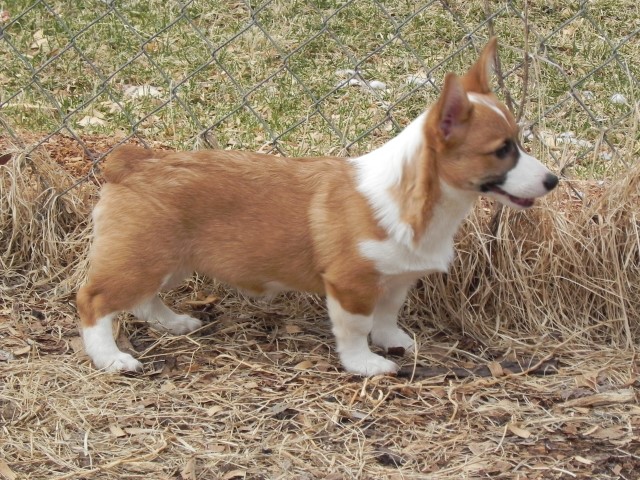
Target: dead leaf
{"x":40,"y":42}
{"x":116,"y":431}
{"x":6,"y":472}
{"x":110,"y":106}
{"x":189,"y":470}
{"x":292,"y":329}
{"x":388,"y":457}
{"x":77,"y":345}
{"x":478,"y":448}
{"x":610,"y":433}
{"x":194,"y":367}
{"x":4,"y":16}
{"x":334,"y":476}
{"x":589,"y":431}
{"x":168,"y":387}
{"x":580,"y":459}
{"x":88,"y":120}
{"x":234,"y":474}
{"x":213,"y":410}
{"x":22,"y":351}
{"x":600,"y":399}
{"x":136,"y":91}
{"x":304,"y":365}
{"x":207,"y":301}
{"x":123,"y":342}
{"x":323,"y":366}
{"x":152,"y":47}
{"x":588,"y":380}
{"x":499,"y":466}
{"x":496,"y":369}
{"x":5,"y":356}
{"x":520,"y":432}
{"x":279,"y":408}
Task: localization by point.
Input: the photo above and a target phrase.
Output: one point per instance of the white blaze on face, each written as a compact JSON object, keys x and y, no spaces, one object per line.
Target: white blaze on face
{"x":523,"y":183}
{"x":526,"y":179}
{"x":488,"y":102}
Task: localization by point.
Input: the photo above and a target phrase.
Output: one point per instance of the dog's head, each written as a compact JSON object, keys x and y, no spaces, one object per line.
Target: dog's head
{"x":474,"y":138}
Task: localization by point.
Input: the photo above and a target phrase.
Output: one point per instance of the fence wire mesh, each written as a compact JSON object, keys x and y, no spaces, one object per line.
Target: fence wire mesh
{"x":312,"y":77}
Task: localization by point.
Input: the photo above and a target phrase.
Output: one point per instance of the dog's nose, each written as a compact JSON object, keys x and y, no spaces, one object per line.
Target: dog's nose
{"x":550,"y":181}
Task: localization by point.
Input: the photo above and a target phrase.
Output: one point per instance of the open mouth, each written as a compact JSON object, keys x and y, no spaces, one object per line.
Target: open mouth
{"x":523,"y":202}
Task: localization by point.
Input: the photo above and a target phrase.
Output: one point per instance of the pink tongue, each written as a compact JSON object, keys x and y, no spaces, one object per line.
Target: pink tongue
{"x":523,"y":202}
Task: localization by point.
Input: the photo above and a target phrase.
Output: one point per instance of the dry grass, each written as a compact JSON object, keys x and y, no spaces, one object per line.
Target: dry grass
{"x":569,"y":270}
{"x":256,"y":393}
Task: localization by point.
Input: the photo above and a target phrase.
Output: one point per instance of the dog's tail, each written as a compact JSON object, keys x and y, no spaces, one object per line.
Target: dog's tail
{"x":126,"y":160}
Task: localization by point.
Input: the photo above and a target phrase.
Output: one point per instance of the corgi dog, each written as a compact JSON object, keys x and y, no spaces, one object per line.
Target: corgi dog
{"x":360,"y":231}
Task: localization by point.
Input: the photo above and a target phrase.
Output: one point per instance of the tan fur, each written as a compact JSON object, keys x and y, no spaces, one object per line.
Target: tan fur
{"x":477,"y":77}
{"x":418,"y":192}
{"x":246,"y":219}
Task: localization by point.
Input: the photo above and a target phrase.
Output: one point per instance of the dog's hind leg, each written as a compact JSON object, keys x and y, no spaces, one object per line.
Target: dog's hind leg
{"x":116,"y":283}
{"x":159,"y":316}
{"x":96,"y":316}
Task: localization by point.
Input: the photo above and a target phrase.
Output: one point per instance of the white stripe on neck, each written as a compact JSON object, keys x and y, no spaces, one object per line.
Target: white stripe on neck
{"x":379,"y":171}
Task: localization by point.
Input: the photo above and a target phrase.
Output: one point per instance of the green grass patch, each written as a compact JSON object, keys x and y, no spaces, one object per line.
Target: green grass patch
{"x":258,"y":71}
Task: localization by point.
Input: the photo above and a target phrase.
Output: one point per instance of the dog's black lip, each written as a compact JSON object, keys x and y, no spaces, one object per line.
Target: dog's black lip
{"x":492,"y":184}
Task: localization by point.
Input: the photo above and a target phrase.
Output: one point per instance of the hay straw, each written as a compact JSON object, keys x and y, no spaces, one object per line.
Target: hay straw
{"x":42,"y":235}
{"x":568,"y":270}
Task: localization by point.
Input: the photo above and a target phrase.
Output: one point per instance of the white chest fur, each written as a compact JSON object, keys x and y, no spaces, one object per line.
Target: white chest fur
{"x":396,"y":256}
{"x":379,"y":172}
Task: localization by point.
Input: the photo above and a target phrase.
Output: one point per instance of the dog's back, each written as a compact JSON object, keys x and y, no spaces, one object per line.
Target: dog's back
{"x":127,"y":159}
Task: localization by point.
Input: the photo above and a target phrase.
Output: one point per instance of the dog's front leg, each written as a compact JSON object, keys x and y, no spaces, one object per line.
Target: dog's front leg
{"x":385,"y":332}
{"x":351,"y":331}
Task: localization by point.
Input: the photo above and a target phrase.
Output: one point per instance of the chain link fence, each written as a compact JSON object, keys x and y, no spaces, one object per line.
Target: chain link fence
{"x":312,"y":77}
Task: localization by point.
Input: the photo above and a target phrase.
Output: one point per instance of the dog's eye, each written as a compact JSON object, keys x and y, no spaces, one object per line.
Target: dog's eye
{"x":504,"y":150}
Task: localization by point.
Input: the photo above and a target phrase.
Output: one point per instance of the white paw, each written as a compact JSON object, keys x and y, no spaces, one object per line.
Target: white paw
{"x":392,"y":338}
{"x":118,"y":362}
{"x":367,"y":364}
{"x":179,"y":325}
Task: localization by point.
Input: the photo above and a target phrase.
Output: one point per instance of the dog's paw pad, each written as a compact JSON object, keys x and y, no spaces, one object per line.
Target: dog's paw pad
{"x":122,"y":362}
{"x":180,"y":325}
{"x":393,"y":341}
{"x":368,"y":364}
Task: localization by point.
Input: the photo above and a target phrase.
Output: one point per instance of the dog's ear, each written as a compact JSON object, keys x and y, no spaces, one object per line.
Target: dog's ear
{"x":477,"y":79}
{"x":453,"y":107}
